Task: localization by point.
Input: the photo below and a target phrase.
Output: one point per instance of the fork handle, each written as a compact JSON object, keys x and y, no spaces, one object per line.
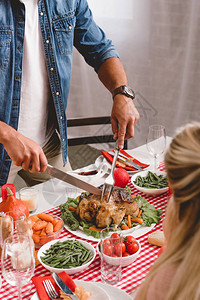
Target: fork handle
{"x":114,"y":160}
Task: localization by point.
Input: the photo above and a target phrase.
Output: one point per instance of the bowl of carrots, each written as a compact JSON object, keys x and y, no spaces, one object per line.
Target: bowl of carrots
{"x":45,"y":228}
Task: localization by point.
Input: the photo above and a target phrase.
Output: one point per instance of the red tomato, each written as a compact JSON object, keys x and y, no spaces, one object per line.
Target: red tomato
{"x":115,"y":237}
{"x":129,"y":239}
{"x":123,"y":248}
{"x":119,"y":248}
{"x":132,"y":248}
{"x":106,"y":242}
{"x":107,"y":249}
{"x":126,"y":254}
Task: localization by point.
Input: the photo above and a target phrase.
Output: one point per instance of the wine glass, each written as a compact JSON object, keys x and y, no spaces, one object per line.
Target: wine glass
{"x":156,"y":141}
{"x":17,"y":261}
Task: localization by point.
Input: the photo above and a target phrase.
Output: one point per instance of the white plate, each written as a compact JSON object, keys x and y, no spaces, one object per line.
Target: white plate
{"x":151,"y":192}
{"x":69,"y":270}
{"x":136,"y":232}
{"x":110,"y":292}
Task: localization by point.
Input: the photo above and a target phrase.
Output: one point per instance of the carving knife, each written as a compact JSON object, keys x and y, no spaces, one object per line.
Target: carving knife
{"x":62,"y":285}
{"x":73,"y":180}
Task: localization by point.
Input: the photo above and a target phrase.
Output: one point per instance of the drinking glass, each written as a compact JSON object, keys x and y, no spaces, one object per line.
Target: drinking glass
{"x":156,"y":141}
{"x":6,"y":227}
{"x":17,"y":261}
{"x":111,"y":254}
{"x":29,"y":196}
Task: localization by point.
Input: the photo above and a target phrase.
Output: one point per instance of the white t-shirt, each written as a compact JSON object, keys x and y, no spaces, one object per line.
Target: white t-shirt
{"x":35,"y":89}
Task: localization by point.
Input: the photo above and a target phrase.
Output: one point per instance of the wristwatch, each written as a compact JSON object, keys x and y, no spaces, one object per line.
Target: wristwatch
{"x":125,"y":90}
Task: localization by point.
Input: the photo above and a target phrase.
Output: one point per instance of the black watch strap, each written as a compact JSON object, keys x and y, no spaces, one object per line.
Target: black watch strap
{"x":125,"y":90}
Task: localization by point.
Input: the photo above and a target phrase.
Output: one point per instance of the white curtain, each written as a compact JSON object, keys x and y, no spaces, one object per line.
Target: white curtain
{"x":159,"y":45}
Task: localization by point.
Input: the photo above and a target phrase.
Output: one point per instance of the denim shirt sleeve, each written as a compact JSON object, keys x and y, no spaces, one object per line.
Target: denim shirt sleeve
{"x":89,"y":39}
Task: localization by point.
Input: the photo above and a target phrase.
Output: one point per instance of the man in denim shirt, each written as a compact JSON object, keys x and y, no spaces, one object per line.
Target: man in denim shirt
{"x":36,"y":42}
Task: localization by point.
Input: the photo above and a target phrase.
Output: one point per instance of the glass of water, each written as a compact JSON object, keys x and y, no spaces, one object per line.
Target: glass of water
{"x":17,"y":262}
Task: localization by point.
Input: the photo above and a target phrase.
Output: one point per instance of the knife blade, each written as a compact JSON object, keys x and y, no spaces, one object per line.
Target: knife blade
{"x":62,"y":285}
{"x":73,"y":180}
{"x":126,"y":161}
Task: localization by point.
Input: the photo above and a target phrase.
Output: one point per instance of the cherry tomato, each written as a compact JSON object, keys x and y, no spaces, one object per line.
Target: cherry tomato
{"x":106,"y":242}
{"x":132,"y":248}
{"x":129,"y":239}
{"x":115,"y":237}
{"x":107,"y":249}
{"x":126,"y":254}
{"x":119,"y":248}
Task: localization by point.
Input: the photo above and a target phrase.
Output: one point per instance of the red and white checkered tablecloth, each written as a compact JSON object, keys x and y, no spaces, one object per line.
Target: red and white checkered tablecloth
{"x":132,"y":275}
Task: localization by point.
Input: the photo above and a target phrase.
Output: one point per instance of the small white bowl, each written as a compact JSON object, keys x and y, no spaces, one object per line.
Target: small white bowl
{"x":152,"y":192}
{"x":69,"y":270}
{"x":125,"y":261}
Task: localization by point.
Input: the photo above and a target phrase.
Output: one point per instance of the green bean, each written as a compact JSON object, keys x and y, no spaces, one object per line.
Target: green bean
{"x":66,"y":254}
{"x":152,"y":181}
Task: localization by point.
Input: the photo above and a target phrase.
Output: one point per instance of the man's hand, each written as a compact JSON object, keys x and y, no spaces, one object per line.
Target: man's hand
{"x":23,"y":151}
{"x":124,"y":117}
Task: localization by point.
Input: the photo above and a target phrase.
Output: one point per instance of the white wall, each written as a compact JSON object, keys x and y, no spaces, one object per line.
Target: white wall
{"x":159,"y":45}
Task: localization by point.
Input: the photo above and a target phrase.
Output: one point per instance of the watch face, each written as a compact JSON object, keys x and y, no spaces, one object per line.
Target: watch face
{"x":129,"y":91}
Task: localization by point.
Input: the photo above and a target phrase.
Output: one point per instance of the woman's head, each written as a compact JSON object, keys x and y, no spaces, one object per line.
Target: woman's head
{"x":182,"y":162}
{"x":182,"y":223}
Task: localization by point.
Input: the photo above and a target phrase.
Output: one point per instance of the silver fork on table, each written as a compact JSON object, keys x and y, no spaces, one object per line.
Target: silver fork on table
{"x":109,"y":182}
{"x":51,"y":292}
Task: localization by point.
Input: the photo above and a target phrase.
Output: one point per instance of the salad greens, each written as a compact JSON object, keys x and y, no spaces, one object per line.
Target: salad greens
{"x":149,"y":215}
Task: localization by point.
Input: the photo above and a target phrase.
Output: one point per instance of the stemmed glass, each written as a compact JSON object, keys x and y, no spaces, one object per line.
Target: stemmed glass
{"x":156,"y":141}
{"x":17,"y":261}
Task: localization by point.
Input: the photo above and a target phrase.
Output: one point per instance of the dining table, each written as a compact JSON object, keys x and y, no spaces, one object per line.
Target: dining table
{"x":54,"y":192}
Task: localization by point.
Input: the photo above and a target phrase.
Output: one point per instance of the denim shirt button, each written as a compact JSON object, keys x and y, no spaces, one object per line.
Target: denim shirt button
{"x":17,"y":77}
{"x":47,"y":41}
{"x":63,"y":140}
{"x":70,"y":27}
{"x":57,"y":93}
{"x":61,"y":117}
{"x":51,"y":69}
{"x":41,"y":14}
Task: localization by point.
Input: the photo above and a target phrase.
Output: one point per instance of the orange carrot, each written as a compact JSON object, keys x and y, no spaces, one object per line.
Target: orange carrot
{"x":124,"y":227}
{"x":54,"y":222}
{"x":33,"y":218}
{"x":49,"y":228}
{"x":43,"y":232}
{"x":129,"y":221}
{"x":36,"y":238}
{"x":72,"y":208}
{"x":58,"y":225}
{"x":37,"y":232}
{"x":45,"y":217}
{"x":137,"y":220}
{"x":94,"y":228}
{"x":140,"y":212}
{"x":133,"y":196}
{"x":39,"y":225}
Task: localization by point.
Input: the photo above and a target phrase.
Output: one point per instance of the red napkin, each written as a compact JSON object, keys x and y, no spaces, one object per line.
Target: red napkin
{"x":123,"y":165}
{"x":38,"y":282}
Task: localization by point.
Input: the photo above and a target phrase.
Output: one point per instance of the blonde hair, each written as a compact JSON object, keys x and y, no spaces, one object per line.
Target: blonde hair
{"x":182,"y":162}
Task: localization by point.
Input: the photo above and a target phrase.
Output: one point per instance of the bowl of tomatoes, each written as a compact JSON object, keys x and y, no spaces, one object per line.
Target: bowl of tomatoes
{"x":128,"y":246}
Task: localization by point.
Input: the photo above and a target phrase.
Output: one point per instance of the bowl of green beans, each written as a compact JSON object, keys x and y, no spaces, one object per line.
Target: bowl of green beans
{"x":150,"y":182}
{"x":69,"y":255}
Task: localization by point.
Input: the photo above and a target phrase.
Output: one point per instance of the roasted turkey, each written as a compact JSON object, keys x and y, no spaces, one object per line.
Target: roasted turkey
{"x":121,"y":203}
